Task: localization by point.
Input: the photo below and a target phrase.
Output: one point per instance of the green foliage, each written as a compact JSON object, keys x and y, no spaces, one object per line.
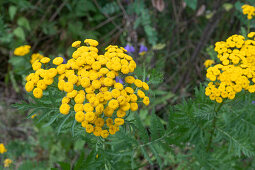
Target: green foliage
{"x":196,"y":133}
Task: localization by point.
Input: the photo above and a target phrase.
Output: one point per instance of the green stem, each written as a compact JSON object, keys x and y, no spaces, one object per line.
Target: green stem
{"x":213,"y":127}
{"x":248,"y":30}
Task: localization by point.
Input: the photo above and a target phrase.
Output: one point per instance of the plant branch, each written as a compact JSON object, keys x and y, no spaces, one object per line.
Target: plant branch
{"x":213,"y":127}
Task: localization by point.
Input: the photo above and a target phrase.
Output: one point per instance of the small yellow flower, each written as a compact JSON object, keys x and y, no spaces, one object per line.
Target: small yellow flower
{"x":208,"y":63}
{"x":138,"y":83}
{"x":76,"y":44}
{"x":133,"y":106}
{"x":64,"y":109}
{"x":58,"y":60}
{"x":45,"y":60}
{"x":2,"y":148}
{"x":119,"y":121}
{"x":249,"y":11}
{"x":7,"y":163}
{"x":114,"y":104}
{"x":22,"y":50}
{"x":33,"y":116}
{"x":129,"y":79}
{"x":29,"y":86}
{"x":89,"y":128}
{"x":146,"y":100}
{"x":38,"y":93}
{"x":104,"y":133}
{"x":80,"y":116}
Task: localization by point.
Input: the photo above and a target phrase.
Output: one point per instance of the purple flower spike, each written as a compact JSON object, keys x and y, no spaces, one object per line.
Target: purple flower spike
{"x":129,"y":48}
{"x":119,"y":80}
{"x":147,"y":78}
{"x":143,"y":49}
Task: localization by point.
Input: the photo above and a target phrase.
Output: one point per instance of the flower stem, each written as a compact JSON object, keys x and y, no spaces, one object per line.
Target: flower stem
{"x":248,"y":25}
{"x":213,"y":127}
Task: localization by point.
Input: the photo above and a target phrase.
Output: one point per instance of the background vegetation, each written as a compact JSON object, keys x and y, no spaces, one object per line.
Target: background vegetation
{"x":169,"y":134}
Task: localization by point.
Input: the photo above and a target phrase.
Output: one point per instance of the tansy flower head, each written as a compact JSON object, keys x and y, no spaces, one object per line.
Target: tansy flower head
{"x":236,"y":72}
{"x":249,"y":11}
{"x":98,"y":88}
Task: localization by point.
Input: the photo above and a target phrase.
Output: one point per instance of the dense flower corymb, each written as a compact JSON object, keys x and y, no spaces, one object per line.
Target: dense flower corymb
{"x":236,"y":71}
{"x":102,"y":87}
{"x":249,"y":11}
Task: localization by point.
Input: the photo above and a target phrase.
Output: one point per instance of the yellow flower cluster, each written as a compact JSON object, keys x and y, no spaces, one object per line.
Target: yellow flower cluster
{"x":22,"y":50}
{"x":248,"y":10}
{"x":100,"y":86}
{"x":2,"y":148}
{"x":7,"y":162}
{"x":237,"y":68}
{"x":208,"y":63}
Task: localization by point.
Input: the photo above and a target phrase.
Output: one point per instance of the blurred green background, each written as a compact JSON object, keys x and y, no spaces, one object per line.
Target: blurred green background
{"x":179,"y":34}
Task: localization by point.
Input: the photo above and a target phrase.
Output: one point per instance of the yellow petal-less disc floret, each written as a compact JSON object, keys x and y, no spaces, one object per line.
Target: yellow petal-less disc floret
{"x":38,"y":93}
{"x":58,"y":60}
{"x":22,"y":50}
{"x":2,"y":148}
{"x":76,"y":44}
{"x":64,"y":109}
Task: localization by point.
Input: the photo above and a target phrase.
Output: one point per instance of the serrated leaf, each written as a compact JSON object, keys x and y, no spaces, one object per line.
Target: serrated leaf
{"x":157,"y":128}
{"x":52,"y":120}
{"x":63,"y":122}
{"x":145,"y":154}
{"x":141,"y":130}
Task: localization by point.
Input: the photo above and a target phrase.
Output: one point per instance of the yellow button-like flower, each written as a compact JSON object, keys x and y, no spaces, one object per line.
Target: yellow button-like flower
{"x":58,"y":60}
{"x":119,"y":121}
{"x":146,"y":100}
{"x":133,"y":106}
{"x":114,"y":104}
{"x":2,"y":148}
{"x":89,"y":128}
{"x":7,"y":163}
{"x":29,"y":86}
{"x":90,"y":116}
{"x":104,"y":133}
{"x":38,"y":93}
{"x":80,"y":116}
{"x":45,"y":60}
{"x":64,"y":108}
{"x":76,"y":44}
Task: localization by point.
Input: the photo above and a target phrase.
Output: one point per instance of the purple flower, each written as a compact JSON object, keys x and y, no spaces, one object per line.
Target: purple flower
{"x":119,"y":80}
{"x":253,"y":102}
{"x":143,"y":49}
{"x":129,"y":48}
{"x":147,"y":78}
